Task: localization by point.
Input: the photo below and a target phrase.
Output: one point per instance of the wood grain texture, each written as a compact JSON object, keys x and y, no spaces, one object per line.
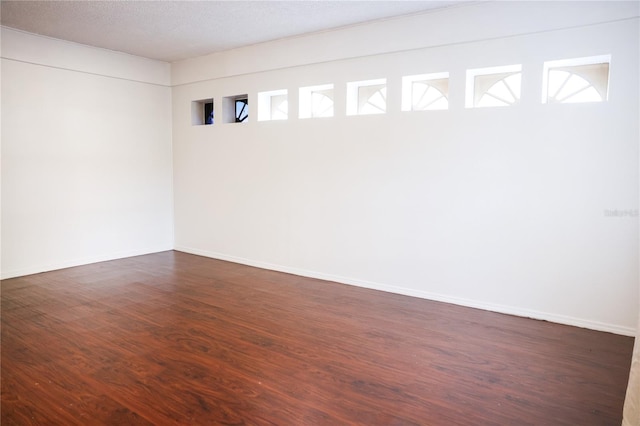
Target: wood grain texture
{"x":173,"y":338}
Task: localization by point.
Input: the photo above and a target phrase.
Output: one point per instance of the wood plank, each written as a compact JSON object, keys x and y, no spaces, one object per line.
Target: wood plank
{"x":173,"y":338}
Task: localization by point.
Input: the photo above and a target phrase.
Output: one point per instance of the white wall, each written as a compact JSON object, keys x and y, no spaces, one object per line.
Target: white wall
{"x":502,"y":209}
{"x":441,"y":27}
{"x":86,"y":154}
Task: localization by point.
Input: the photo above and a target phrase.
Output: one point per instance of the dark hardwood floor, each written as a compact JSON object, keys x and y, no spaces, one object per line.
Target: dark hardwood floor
{"x":172,"y":338}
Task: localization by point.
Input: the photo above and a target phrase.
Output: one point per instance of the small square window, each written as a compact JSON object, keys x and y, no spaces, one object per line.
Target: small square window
{"x":202,"y":112}
{"x":316,"y":101}
{"x":425,"y":92}
{"x":273,"y":105}
{"x":492,"y":87}
{"x":235,"y":109}
{"x":576,"y":80}
{"x":367,"y":97}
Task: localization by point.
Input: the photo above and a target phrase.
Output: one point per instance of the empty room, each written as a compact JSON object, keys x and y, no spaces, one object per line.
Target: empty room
{"x":320,"y":213}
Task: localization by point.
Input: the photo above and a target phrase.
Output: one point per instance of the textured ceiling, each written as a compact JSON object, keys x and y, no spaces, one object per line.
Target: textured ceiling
{"x":174,"y":30}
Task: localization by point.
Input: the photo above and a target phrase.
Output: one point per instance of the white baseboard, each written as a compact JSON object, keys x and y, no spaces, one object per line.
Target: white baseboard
{"x":36,"y":269}
{"x":503,"y":309}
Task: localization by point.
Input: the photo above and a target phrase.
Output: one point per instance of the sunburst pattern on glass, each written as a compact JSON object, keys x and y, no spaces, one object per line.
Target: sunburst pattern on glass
{"x":279,"y":107}
{"x":426,"y":97}
{"x":321,"y":105}
{"x":567,"y":87}
{"x":376,"y":103}
{"x":504,"y":92}
{"x":242,"y":110}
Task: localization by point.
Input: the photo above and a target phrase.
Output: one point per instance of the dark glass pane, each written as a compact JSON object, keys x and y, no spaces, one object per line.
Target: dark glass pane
{"x":208,"y":113}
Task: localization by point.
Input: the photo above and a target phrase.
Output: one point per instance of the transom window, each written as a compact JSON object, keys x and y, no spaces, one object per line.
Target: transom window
{"x":367,"y":97}
{"x":372,"y":99}
{"x":235,"y":109}
{"x":576,"y":80}
{"x":425,"y":92}
{"x":279,"y":107}
{"x":202,"y":112}
{"x":493,"y":87}
{"x":242,"y":110}
{"x":322,"y":104}
{"x":273,"y":105}
{"x":316,"y":101}
{"x":564,"y":81}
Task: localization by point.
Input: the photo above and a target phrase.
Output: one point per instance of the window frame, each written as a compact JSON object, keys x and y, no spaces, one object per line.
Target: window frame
{"x":548,"y":66}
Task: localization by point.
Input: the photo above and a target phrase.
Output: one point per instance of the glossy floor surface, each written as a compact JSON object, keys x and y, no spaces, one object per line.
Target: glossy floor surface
{"x":173,"y":338}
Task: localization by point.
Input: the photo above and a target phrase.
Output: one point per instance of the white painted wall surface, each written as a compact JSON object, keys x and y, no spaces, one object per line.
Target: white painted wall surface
{"x":502,"y":209}
{"x":441,"y":27}
{"x":26,"y":47}
{"x":86,"y":155}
